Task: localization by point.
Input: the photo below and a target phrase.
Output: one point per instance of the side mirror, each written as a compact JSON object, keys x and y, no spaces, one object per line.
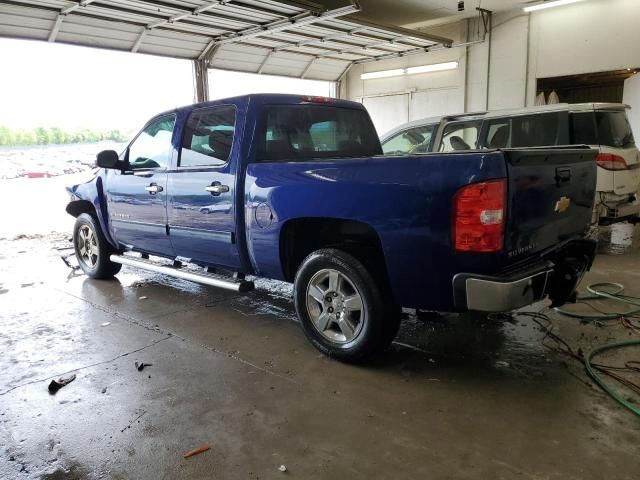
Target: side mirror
{"x":108,"y":159}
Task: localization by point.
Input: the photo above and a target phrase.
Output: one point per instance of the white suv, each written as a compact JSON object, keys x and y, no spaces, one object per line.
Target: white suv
{"x":603,"y":126}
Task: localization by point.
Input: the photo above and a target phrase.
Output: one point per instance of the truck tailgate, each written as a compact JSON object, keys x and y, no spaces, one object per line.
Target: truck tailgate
{"x":550,"y":197}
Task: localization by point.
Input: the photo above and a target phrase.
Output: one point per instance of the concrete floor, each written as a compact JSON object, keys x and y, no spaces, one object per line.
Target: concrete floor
{"x":453,"y":398}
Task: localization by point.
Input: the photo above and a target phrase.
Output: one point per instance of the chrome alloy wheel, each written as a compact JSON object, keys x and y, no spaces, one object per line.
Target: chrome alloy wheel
{"x":335,"y":306}
{"x":87,"y":246}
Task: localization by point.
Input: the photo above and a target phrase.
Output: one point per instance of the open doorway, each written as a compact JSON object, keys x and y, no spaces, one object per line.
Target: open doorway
{"x":587,"y":87}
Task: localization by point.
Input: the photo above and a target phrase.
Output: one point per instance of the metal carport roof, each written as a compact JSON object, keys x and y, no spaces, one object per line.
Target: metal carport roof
{"x":291,"y":38}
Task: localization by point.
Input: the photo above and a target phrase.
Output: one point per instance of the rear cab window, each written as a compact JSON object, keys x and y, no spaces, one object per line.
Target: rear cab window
{"x":416,"y":140}
{"x":305,"y":132}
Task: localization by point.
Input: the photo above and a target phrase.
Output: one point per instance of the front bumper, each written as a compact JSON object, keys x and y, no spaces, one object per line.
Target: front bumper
{"x":557,"y":276}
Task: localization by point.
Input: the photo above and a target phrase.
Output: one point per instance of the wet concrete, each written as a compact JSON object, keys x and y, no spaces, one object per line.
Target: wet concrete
{"x":455,"y":397}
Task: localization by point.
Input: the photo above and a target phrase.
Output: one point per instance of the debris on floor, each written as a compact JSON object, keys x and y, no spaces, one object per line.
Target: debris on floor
{"x":197,"y":451}
{"x":142,"y":297}
{"x":65,"y":259}
{"x":105,"y":324}
{"x":141,"y":366}
{"x":56,"y":385}
{"x":282,"y":468}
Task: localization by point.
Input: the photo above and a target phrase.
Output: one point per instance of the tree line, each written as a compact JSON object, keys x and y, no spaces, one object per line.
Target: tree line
{"x":56,"y":136}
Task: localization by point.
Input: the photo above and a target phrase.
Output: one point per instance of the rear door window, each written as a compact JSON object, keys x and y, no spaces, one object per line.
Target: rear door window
{"x":460,"y":136}
{"x":534,"y":130}
{"x":498,"y":133}
{"x":208,"y":137}
{"x":414,"y":140}
{"x":583,"y":128}
{"x":540,"y":130}
{"x":301,"y":132}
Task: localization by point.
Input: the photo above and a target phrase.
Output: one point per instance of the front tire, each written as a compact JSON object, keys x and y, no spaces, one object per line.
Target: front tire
{"x":92,"y":249}
{"x":342,"y":308}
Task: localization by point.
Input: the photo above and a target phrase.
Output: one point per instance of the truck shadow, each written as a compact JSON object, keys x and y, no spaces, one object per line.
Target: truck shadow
{"x":465,"y":342}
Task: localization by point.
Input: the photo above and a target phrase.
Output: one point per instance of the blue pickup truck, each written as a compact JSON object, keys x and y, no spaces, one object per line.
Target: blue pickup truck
{"x":296,"y":188}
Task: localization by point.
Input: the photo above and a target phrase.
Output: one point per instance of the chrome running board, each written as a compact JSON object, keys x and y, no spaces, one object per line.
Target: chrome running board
{"x":179,"y":272}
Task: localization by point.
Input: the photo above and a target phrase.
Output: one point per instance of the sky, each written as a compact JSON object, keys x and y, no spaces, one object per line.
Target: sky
{"x":54,"y":85}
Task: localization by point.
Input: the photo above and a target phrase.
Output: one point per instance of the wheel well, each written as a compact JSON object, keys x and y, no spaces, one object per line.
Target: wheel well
{"x":77,"y":207}
{"x":302,"y":236}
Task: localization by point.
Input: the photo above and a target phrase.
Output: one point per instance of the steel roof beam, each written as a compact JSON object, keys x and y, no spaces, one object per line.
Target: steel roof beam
{"x":383,"y":46}
{"x":413,"y":51}
{"x":56,"y":28}
{"x":264,"y":62}
{"x":403,"y":32}
{"x":206,"y":20}
{"x":139,"y":40}
{"x":308,"y":67}
{"x":75,"y":6}
{"x":301,"y":54}
{"x":60,"y":18}
{"x":295,"y":21}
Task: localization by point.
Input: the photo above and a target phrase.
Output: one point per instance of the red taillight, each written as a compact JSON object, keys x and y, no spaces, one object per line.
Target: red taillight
{"x":609,"y":161}
{"x":317,"y":99}
{"x":479,"y":216}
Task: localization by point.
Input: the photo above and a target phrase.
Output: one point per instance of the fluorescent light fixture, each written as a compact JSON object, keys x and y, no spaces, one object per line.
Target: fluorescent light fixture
{"x":383,"y":74}
{"x":549,"y":4}
{"x":435,"y":67}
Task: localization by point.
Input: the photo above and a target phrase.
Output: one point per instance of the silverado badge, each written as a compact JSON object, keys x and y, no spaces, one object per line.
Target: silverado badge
{"x":562,"y":204}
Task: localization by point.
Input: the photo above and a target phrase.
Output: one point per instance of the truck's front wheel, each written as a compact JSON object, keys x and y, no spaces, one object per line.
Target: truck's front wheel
{"x":342,"y":308}
{"x":92,"y":249}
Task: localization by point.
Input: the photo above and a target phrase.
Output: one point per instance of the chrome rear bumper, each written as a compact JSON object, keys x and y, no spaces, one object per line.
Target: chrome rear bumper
{"x":485,"y":295}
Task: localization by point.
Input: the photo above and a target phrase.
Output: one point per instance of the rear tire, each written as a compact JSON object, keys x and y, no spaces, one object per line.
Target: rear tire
{"x":92,"y":249}
{"x":343,"y":310}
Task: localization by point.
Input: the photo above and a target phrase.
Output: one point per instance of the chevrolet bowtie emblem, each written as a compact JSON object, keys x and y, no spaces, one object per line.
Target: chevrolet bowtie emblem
{"x":562,"y":204}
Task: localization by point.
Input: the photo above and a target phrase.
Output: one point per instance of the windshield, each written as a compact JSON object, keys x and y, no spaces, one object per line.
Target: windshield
{"x":409,"y":142}
{"x":614,"y":129}
{"x":301,"y":132}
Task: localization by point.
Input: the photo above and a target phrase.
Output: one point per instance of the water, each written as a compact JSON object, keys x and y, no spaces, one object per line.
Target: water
{"x":51,"y":160}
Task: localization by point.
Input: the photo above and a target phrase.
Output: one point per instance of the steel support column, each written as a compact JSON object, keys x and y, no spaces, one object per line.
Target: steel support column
{"x":201,"y":80}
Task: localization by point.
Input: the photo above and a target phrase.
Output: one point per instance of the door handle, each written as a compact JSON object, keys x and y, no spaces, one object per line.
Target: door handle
{"x":216,"y":188}
{"x":153,"y":188}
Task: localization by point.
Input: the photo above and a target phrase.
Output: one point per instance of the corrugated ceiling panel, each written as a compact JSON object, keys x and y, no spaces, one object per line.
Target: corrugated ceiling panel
{"x":246,"y":31}
{"x":237,"y":57}
{"x":163,"y":38}
{"x":27,"y":23}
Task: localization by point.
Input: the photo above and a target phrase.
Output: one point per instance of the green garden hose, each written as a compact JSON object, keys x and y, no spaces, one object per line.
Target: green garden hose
{"x":596,"y":378}
{"x":597,"y":294}
{"x":611,"y":291}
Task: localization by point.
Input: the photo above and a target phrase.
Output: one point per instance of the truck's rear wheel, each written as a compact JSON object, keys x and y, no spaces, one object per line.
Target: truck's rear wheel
{"x":342,"y":308}
{"x":92,"y":249}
